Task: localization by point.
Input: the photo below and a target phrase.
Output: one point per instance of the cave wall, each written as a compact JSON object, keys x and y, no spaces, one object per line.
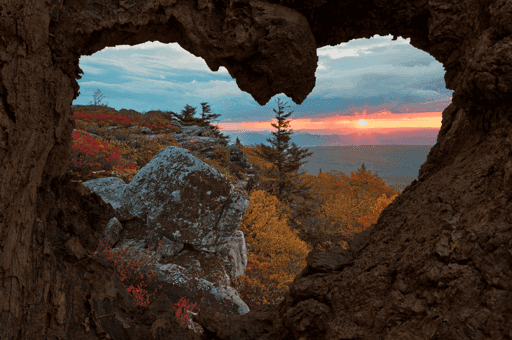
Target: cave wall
{"x":437,"y":263}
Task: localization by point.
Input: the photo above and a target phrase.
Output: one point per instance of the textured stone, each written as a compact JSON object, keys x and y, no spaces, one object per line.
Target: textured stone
{"x":436,"y":265}
{"x":323,"y":261}
{"x":179,"y":197}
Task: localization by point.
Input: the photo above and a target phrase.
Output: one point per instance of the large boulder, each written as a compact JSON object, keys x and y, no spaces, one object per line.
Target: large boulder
{"x":436,"y":265}
{"x":193,"y":210}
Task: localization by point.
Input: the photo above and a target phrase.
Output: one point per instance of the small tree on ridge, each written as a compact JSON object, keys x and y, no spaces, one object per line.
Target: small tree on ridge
{"x":97,"y":98}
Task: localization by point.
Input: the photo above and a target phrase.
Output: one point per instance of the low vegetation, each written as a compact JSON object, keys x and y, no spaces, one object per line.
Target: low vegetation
{"x":330,"y":209}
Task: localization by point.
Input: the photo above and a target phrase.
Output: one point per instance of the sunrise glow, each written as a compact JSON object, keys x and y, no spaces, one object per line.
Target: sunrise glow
{"x":375,"y":122}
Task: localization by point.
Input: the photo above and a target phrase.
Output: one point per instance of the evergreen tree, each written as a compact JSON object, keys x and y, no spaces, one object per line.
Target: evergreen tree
{"x":285,"y":177}
{"x":206,"y":109}
{"x":238,"y":141}
{"x":207,"y":118}
{"x":187,"y":117}
{"x":218,"y":134}
{"x":188,"y":113}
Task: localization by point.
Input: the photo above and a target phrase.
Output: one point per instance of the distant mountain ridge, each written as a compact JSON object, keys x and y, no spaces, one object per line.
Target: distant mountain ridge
{"x":308,"y":139}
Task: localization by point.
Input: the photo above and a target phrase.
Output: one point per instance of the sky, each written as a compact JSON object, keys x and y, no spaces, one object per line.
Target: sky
{"x":368,"y":92}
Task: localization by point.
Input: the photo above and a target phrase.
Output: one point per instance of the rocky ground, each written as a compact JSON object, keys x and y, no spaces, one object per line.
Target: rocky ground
{"x":198,"y":140}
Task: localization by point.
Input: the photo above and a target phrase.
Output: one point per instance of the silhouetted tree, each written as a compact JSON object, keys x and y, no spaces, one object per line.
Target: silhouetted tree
{"x":97,"y":98}
{"x":188,"y":113}
{"x":238,"y":141}
{"x":206,"y":109}
{"x":217,"y":133}
{"x":286,"y":184}
{"x":187,"y":118}
{"x":206,"y":116}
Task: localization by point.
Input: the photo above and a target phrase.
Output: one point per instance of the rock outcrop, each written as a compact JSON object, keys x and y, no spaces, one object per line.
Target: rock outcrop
{"x":193,"y":210}
{"x":436,"y":265}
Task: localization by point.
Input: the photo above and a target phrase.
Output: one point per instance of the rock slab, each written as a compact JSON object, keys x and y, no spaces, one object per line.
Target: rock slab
{"x":193,"y":211}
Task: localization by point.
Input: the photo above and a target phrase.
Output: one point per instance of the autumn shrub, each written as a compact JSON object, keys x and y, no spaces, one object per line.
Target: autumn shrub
{"x":343,"y":206}
{"x":147,"y":150}
{"x":267,"y":172}
{"x":222,"y":154}
{"x":237,"y":170}
{"x":260,"y":165}
{"x":135,"y":151}
{"x":277,"y":254}
{"x":347,"y":205}
{"x":383,"y":202}
{"x":305,"y":221}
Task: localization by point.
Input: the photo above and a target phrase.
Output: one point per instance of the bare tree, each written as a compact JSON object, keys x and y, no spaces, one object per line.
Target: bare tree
{"x":97,"y":98}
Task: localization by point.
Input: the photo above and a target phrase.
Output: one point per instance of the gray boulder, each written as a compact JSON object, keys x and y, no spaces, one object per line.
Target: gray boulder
{"x":194,"y":211}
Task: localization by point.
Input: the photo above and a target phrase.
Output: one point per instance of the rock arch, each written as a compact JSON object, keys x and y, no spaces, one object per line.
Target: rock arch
{"x":437,"y":264}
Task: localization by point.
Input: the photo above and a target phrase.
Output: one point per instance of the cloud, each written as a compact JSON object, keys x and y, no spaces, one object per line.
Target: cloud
{"x":360,"y":76}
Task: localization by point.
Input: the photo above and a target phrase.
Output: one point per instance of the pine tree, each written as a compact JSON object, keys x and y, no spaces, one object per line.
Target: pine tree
{"x":285,"y":184}
{"x":187,"y":113}
{"x":238,"y":141}
{"x":206,"y":109}
{"x":207,"y":118}
{"x":187,"y":116}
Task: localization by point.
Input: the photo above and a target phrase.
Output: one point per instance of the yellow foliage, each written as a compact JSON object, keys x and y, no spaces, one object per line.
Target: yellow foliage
{"x":277,"y":254}
{"x":383,"y":202}
{"x":344,"y":209}
{"x":344,"y":205}
{"x":259,"y":163}
{"x":266,"y":229}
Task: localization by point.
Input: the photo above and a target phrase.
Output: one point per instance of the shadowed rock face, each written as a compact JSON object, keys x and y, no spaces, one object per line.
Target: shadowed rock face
{"x":436,"y":265}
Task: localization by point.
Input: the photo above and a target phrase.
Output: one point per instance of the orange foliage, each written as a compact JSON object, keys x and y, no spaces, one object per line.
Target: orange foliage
{"x":351,"y":203}
{"x":263,"y":168}
{"x":371,"y":184}
{"x":344,"y":205}
{"x":256,"y":161}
